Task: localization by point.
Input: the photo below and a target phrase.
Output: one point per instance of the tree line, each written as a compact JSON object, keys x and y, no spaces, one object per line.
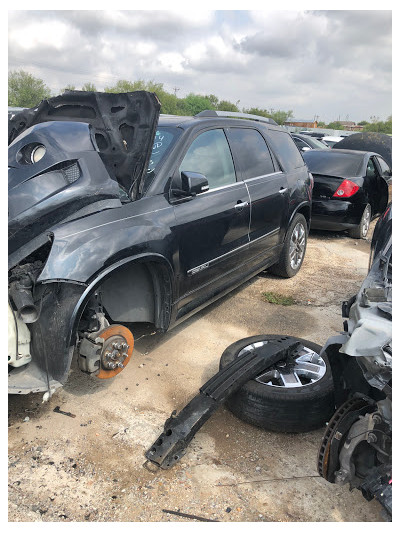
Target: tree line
{"x":25,"y":90}
{"x":376,"y":125}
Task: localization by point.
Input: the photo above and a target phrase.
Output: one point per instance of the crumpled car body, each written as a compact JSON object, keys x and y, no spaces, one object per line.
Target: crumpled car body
{"x":356,"y":448}
{"x":76,"y":156}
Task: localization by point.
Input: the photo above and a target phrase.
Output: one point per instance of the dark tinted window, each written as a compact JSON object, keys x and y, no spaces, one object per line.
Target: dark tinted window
{"x":315,"y":143}
{"x":285,"y":149}
{"x":371,"y":169}
{"x":299,"y":143}
{"x":333,"y":163}
{"x":252,"y":150}
{"x":386,"y":172}
{"x":209,"y":154}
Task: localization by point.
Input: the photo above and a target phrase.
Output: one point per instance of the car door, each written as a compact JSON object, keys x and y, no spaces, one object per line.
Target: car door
{"x":375,"y":186}
{"x":268,"y":191}
{"x":212,"y":228}
{"x":386,"y":174}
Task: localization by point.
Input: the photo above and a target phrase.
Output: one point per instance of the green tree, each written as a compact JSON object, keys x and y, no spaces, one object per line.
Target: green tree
{"x":89,"y":87}
{"x":362,"y":123}
{"x":257,"y":111}
{"x":321,"y":125}
{"x":24,"y":90}
{"x":195,"y":103}
{"x":335,"y":125}
{"x":225,"y":105}
{"x":380,"y":127}
{"x":215,"y":102}
{"x":279,"y":116}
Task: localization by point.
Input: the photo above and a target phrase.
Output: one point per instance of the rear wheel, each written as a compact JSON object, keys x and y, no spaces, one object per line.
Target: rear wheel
{"x":293,"y":250}
{"x":361,"y":231}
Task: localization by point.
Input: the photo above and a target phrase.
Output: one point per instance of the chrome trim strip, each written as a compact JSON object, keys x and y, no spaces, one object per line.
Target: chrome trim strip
{"x":118,"y":220}
{"x":264,"y":176}
{"x":282,"y":191}
{"x":203,"y":266}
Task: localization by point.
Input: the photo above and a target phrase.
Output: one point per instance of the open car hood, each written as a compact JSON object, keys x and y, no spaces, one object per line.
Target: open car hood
{"x":95,"y":149}
{"x":123,"y":126}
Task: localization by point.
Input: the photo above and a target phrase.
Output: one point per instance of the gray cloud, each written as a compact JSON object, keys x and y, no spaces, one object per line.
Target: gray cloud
{"x":328,"y":63}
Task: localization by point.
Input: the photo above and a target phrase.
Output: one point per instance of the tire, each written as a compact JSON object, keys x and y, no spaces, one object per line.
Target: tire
{"x":279,"y":408}
{"x":361,"y":231}
{"x":294,"y":249}
{"x":51,"y":343}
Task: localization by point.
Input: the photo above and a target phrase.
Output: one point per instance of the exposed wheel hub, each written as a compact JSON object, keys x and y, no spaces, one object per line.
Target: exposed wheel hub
{"x":116,"y":351}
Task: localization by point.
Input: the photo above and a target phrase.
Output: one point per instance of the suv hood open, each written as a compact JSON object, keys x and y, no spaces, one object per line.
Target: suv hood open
{"x":93,"y":150}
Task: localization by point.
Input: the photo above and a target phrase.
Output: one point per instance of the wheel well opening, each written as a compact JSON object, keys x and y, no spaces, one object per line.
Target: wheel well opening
{"x":306,"y":212}
{"x":138,"y":292}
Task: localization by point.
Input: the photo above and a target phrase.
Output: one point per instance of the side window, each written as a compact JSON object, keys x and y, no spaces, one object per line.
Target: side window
{"x":386,"y":172}
{"x":300,"y":143}
{"x":252,"y":150}
{"x":285,"y":149}
{"x":209,"y":154}
{"x":371,"y":170}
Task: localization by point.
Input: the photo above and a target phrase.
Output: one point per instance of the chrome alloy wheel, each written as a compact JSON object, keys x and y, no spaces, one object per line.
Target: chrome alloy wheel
{"x":297,"y":246}
{"x":365,"y":221}
{"x":308,"y":368}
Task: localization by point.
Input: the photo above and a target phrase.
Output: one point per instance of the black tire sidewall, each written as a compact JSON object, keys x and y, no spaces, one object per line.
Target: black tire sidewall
{"x":283,"y":267}
{"x":281,"y":409}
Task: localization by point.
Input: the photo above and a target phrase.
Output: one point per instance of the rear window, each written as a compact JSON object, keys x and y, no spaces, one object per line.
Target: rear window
{"x":333,"y":163}
{"x":284,"y":148}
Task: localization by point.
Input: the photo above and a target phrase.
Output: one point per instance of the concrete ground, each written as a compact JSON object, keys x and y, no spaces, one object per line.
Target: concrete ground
{"x":90,"y":468}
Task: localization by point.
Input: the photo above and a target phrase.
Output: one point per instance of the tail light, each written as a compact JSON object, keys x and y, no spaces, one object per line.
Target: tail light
{"x":346,"y":189}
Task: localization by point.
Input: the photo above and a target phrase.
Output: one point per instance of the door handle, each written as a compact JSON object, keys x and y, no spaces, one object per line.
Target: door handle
{"x":240,"y":205}
{"x":282,"y":190}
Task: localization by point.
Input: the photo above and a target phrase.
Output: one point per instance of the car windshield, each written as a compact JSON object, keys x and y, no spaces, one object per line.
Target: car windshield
{"x":163,"y":142}
{"x":330,"y":143}
{"x":315,"y":143}
{"x":333,"y":163}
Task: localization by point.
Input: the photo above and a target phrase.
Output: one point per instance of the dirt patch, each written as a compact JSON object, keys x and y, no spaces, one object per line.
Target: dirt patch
{"x":90,"y":468}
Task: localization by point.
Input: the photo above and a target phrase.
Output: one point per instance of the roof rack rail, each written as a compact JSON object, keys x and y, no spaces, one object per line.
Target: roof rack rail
{"x":234,"y":114}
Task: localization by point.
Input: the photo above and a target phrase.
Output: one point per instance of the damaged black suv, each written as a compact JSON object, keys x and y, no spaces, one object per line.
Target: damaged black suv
{"x":118,"y":215}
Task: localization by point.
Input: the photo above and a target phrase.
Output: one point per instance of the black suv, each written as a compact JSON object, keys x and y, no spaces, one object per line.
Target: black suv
{"x":118,"y":215}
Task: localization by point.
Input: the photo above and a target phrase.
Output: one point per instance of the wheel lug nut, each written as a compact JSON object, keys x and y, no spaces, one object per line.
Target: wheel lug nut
{"x":120,"y":365}
{"x":124,"y":355}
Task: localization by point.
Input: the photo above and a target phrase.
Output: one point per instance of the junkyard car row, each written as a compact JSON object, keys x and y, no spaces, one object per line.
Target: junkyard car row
{"x":119,"y":215}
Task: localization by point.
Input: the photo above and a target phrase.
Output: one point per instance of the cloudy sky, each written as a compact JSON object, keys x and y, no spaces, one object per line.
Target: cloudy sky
{"x":328,"y":64}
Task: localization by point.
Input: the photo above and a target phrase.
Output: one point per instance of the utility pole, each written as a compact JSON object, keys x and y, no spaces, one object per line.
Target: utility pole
{"x":176,"y":89}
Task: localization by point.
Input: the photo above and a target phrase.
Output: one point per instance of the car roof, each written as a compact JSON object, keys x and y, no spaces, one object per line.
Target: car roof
{"x":342,"y":151}
{"x":186,"y":122}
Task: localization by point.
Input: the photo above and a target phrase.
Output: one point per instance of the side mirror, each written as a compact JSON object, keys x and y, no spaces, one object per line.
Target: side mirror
{"x":192,"y":183}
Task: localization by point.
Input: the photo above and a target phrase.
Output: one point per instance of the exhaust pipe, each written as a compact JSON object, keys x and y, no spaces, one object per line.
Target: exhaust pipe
{"x":21,"y":294}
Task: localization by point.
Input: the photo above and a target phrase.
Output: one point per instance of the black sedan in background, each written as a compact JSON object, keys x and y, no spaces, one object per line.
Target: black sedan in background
{"x":350,"y":189}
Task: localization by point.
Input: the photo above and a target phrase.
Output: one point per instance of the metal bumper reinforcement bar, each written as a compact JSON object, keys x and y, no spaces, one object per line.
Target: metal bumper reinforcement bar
{"x":180,"y":429}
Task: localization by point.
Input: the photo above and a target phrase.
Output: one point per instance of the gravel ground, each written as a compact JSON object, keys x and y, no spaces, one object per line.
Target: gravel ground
{"x":90,"y":468}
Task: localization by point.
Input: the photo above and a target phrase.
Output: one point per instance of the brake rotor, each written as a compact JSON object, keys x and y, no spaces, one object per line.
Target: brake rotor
{"x":116,"y":351}
{"x":335,"y":434}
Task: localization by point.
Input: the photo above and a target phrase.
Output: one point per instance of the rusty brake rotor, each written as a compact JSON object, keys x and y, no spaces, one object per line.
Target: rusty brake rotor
{"x":116,"y":351}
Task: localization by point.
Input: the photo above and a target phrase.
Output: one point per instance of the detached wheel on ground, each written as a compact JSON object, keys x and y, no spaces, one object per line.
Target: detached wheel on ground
{"x":361,"y":231}
{"x":292,"y":396}
{"x":293,"y":250}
